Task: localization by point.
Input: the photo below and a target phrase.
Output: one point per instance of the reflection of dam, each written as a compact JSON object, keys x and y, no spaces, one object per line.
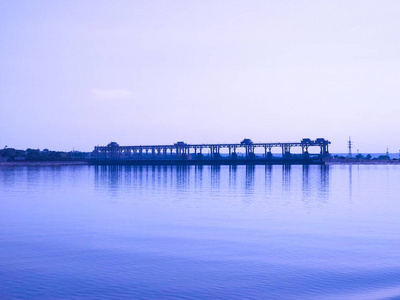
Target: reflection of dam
{"x":309,"y":182}
{"x":244,"y":153}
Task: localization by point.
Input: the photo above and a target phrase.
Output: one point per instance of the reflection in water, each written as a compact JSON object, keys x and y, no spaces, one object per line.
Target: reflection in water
{"x":306,"y":177}
{"x":8,"y":176}
{"x":154,"y":175}
{"x":268,"y":177}
{"x":286,"y":177}
{"x":167,"y":231}
{"x":182,"y":177}
{"x":111,"y":176}
{"x":324,"y":181}
{"x":198,"y":176}
{"x":128,"y":175}
{"x":163,"y":176}
{"x":33,"y":175}
{"x":350,"y":181}
{"x":306,"y":181}
{"x":215,"y":176}
{"x":232,"y":176}
{"x":314,"y":180}
{"x":315,"y":183}
{"x":114,"y":176}
{"x":249,"y":182}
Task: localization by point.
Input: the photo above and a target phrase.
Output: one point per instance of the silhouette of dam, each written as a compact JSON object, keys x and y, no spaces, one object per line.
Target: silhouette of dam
{"x":182,"y":153}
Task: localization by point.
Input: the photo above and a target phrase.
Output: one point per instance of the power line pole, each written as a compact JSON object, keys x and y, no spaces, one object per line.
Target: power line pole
{"x":350,"y":145}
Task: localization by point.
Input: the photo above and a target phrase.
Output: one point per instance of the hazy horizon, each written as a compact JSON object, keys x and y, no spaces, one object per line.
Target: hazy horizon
{"x":80,"y":74}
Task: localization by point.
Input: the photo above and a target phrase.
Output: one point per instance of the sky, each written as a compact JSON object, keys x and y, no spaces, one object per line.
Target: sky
{"x":75,"y":74}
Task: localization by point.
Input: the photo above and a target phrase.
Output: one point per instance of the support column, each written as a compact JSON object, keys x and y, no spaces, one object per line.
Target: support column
{"x":234,"y":154}
{"x":285,"y":151}
{"x":200,"y":155}
{"x":304,"y":150}
{"x":250,"y":153}
{"x":269,"y":154}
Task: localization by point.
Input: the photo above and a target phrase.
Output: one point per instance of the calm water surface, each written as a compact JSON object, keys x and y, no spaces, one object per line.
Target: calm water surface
{"x":86,"y":232}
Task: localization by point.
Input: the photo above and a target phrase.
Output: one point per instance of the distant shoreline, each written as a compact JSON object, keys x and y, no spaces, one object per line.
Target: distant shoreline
{"x":335,"y":161}
{"x":41,"y":163}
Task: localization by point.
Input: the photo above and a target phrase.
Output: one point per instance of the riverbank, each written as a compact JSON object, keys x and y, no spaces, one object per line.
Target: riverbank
{"x":75,"y":163}
{"x":41,"y":163}
{"x":337,"y":161}
{"x":207,"y":162}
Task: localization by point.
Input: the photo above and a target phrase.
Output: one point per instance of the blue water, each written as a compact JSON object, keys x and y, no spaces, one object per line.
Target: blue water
{"x":124,"y":232}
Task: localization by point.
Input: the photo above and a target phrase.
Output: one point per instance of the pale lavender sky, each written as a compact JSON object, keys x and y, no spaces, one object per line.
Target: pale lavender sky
{"x":83,"y":73}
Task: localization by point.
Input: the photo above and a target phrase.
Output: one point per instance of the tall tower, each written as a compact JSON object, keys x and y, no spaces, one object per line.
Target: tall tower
{"x":350,"y":145}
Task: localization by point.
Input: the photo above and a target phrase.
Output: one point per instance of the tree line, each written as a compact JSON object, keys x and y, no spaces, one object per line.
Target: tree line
{"x":11,"y":154}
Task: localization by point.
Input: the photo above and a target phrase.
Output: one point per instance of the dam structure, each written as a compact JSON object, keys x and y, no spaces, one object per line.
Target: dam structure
{"x":244,"y":153}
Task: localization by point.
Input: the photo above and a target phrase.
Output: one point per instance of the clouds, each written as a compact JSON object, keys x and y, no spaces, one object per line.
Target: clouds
{"x":112,"y":94}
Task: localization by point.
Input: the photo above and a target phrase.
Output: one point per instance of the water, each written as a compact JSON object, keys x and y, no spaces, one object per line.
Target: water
{"x":275,"y":232}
